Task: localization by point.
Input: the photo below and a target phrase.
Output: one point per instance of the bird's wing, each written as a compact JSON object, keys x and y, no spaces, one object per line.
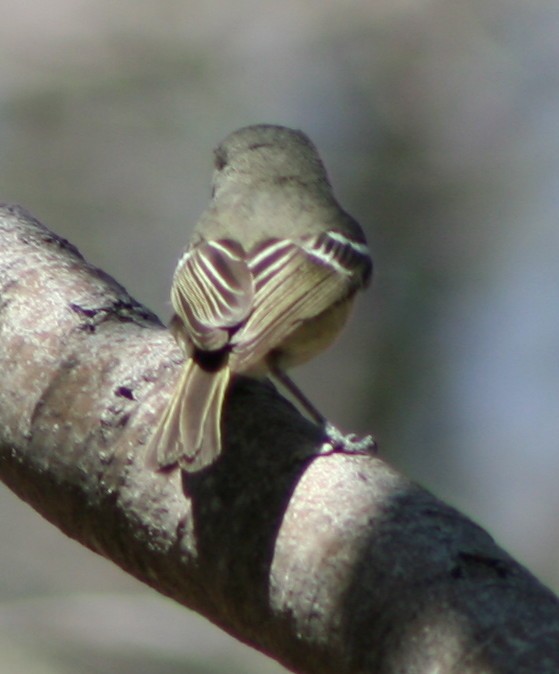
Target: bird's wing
{"x":213,"y":292}
{"x":294,"y":281}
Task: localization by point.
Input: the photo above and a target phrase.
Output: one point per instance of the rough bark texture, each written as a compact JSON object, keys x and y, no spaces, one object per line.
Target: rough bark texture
{"x":328,"y":564}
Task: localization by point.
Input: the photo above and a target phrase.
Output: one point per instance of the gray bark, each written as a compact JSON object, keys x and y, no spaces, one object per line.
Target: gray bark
{"x":329,"y":564}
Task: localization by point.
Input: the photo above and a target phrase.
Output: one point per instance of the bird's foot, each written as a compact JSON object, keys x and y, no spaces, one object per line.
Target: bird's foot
{"x":349,"y":443}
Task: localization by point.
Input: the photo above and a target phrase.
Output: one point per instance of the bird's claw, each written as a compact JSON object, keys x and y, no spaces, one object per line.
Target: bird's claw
{"x":349,"y":443}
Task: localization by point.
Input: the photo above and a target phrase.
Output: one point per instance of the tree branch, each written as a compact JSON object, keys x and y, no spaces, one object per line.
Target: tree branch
{"x":328,"y":564}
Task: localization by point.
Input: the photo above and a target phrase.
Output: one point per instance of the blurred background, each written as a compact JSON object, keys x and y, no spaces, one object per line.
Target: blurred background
{"x":438,"y":122}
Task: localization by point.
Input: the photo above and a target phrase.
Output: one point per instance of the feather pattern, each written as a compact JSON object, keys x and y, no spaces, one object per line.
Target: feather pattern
{"x":212,"y":292}
{"x":344,"y":254}
{"x":294,"y":281}
{"x":243,"y":305}
{"x":189,"y":431}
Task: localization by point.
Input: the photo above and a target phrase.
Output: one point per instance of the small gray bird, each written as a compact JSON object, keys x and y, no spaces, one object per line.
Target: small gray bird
{"x":266,"y":283}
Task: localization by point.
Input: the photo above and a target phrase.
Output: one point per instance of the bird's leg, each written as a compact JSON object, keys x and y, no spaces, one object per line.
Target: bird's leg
{"x":299,"y":396}
{"x":335,"y":441}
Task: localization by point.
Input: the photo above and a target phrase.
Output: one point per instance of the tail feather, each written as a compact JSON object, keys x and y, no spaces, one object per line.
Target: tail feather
{"x":189,"y":432}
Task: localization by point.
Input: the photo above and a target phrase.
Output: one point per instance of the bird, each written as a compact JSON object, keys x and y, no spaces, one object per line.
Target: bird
{"x":266,"y":283}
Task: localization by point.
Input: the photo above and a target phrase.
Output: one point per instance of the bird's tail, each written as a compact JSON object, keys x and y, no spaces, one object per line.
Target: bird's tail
{"x":189,"y":432}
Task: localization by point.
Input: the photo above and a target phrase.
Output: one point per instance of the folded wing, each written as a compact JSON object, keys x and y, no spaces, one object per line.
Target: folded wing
{"x":295,"y":281}
{"x":213,"y":292}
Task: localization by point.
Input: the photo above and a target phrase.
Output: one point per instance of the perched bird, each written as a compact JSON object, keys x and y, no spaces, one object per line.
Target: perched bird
{"x":266,"y":283}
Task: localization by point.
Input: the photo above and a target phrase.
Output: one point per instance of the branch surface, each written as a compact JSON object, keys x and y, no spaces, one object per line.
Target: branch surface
{"x":328,"y":564}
